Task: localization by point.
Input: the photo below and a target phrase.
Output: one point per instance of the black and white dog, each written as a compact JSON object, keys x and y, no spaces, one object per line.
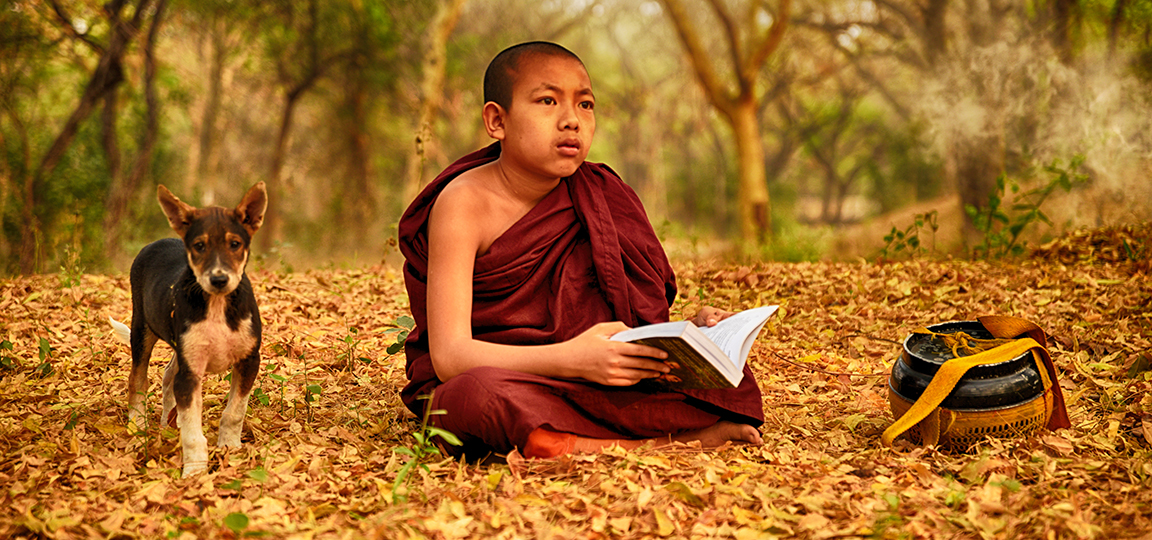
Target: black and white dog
{"x":193,"y":293}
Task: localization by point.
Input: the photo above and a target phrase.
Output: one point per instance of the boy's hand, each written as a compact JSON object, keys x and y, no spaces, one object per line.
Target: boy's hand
{"x":709,"y":316}
{"x":614,"y":363}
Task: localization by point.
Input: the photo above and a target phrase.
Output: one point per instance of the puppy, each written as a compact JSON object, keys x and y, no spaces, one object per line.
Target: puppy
{"x":193,"y":293}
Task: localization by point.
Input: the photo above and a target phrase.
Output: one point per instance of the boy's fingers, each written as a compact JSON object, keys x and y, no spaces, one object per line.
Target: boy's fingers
{"x":649,"y":367}
{"x":637,"y":350}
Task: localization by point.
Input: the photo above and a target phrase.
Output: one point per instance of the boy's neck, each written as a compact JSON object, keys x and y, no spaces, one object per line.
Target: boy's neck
{"x":522,"y":185}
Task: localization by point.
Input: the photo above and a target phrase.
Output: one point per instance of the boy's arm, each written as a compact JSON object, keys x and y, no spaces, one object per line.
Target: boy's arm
{"x":454,"y":236}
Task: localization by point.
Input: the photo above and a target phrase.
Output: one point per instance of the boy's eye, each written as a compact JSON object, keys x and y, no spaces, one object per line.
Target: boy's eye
{"x":588,"y":105}
{"x":548,"y":101}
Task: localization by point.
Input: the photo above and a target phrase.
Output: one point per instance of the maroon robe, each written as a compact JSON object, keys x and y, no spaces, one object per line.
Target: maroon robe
{"x":585,"y":254}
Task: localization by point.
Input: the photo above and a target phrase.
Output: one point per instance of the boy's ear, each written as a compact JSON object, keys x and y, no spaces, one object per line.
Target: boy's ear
{"x":494,"y":116}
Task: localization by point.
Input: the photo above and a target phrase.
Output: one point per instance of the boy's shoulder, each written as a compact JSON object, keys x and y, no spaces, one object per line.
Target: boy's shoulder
{"x":467,"y":192}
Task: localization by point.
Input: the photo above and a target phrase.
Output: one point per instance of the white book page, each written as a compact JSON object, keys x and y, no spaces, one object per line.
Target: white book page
{"x":667,"y":329}
{"x":736,"y":334}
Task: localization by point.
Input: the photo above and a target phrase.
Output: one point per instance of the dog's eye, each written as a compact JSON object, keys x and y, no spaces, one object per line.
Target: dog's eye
{"x":235,"y":244}
{"x":198,"y":246}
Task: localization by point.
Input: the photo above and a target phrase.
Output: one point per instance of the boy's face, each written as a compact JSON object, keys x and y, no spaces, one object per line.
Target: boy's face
{"x":549,"y":127}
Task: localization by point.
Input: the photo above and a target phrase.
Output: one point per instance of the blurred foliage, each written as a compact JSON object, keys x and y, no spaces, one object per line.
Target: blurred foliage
{"x":1010,"y":210}
{"x":863,"y":113}
{"x":907,"y":241}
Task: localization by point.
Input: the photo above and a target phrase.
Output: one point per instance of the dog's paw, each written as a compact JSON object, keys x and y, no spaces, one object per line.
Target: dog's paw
{"x":194,"y":467}
{"x":136,"y":425}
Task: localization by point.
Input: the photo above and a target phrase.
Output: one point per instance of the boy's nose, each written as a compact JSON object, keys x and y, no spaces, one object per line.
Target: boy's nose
{"x":570,"y":120}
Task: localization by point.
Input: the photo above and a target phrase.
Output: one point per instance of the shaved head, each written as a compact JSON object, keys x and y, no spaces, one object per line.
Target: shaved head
{"x":505,"y":67}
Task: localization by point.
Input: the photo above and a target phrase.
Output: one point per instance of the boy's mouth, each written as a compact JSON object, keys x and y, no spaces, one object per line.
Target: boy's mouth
{"x":569,"y":147}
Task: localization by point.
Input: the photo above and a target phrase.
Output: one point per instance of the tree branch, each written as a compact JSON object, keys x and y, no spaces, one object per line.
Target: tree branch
{"x":66,"y":23}
{"x":698,"y":55}
{"x":732,"y":33}
{"x":772,"y":41}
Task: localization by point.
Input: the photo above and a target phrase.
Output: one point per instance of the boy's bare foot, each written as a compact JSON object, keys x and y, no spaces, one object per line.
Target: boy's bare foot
{"x":721,"y":432}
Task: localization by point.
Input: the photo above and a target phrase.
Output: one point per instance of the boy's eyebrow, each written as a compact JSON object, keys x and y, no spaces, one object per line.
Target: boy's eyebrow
{"x":583,"y":91}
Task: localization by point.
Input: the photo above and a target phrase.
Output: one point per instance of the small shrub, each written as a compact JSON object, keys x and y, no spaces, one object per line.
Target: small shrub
{"x":1001,"y":227}
{"x":403,"y":326}
{"x":424,"y":449}
{"x":908,"y":241}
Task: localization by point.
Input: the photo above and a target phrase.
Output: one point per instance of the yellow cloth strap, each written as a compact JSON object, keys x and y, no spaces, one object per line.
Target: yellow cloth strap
{"x":945,"y":380}
{"x":1003,"y":326}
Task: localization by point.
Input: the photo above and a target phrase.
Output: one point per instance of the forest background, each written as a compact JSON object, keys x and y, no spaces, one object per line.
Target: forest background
{"x":785,"y":130}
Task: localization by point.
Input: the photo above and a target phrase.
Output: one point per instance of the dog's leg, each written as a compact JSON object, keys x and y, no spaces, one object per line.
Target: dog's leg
{"x":169,"y":418}
{"x":186,"y":387}
{"x":142,"y":341}
{"x":232,"y":420}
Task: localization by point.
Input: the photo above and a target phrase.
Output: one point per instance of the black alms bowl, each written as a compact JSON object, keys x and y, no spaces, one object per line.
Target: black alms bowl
{"x":991,"y":386}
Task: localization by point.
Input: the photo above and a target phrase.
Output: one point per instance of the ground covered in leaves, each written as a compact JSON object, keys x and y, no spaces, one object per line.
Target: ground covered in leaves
{"x":321,"y":460}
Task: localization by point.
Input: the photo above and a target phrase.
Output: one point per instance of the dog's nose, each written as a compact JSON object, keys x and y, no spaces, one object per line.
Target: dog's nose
{"x":218,"y":281}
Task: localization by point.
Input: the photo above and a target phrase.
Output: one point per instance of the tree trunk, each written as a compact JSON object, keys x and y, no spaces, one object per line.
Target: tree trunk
{"x":748,"y":56}
{"x":272,"y":230}
{"x":755,"y":220}
{"x":432,"y":89}
{"x":1064,"y":18}
{"x":273,"y":222}
{"x":1115,"y":22}
{"x":107,"y":76}
{"x":109,"y":139}
{"x":5,"y":187}
{"x":358,"y":201}
{"x":935,"y":30}
{"x":121,"y":190}
{"x":978,"y":162}
{"x":26,"y":173}
{"x":206,"y":173}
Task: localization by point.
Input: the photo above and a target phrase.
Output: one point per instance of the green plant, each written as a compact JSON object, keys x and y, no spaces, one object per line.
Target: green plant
{"x":45,"y":368}
{"x":283,"y":383}
{"x":404,"y":325}
{"x":70,"y":269}
{"x":259,"y":393}
{"x":7,"y":361}
{"x":908,"y":240}
{"x":260,"y":396}
{"x":311,"y":391}
{"x":141,"y":432}
{"x":275,"y":255}
{"x":1001,"y":228}
{"x":424,"y":448}
{"x":348,"y":355}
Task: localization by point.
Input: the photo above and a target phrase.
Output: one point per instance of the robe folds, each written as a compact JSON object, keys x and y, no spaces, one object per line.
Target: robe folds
{"x":585,"y":254}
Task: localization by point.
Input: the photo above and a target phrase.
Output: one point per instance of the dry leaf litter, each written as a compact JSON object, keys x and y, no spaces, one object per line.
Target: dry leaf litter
{"x":318,"y":459}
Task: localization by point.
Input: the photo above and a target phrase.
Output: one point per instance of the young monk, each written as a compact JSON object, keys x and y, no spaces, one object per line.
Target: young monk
{"x":522,"y":260}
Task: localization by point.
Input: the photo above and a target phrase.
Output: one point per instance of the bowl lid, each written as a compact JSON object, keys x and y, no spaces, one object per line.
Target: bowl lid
{"x":988,"y":386}
{"x":925,"y":353}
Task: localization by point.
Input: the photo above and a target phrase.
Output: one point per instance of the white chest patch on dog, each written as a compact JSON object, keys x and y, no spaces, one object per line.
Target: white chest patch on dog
{"x":210,"y":346}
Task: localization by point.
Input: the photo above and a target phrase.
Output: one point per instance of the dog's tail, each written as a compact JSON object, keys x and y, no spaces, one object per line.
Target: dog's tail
{"x":121,"y":330}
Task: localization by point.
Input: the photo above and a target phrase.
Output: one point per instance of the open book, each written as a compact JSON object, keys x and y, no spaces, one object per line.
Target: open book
{"x":702,"y":357}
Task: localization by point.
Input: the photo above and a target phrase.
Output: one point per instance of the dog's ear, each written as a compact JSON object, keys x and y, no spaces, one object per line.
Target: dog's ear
{"x":250,"y":211}
{"x":179,"y":213}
